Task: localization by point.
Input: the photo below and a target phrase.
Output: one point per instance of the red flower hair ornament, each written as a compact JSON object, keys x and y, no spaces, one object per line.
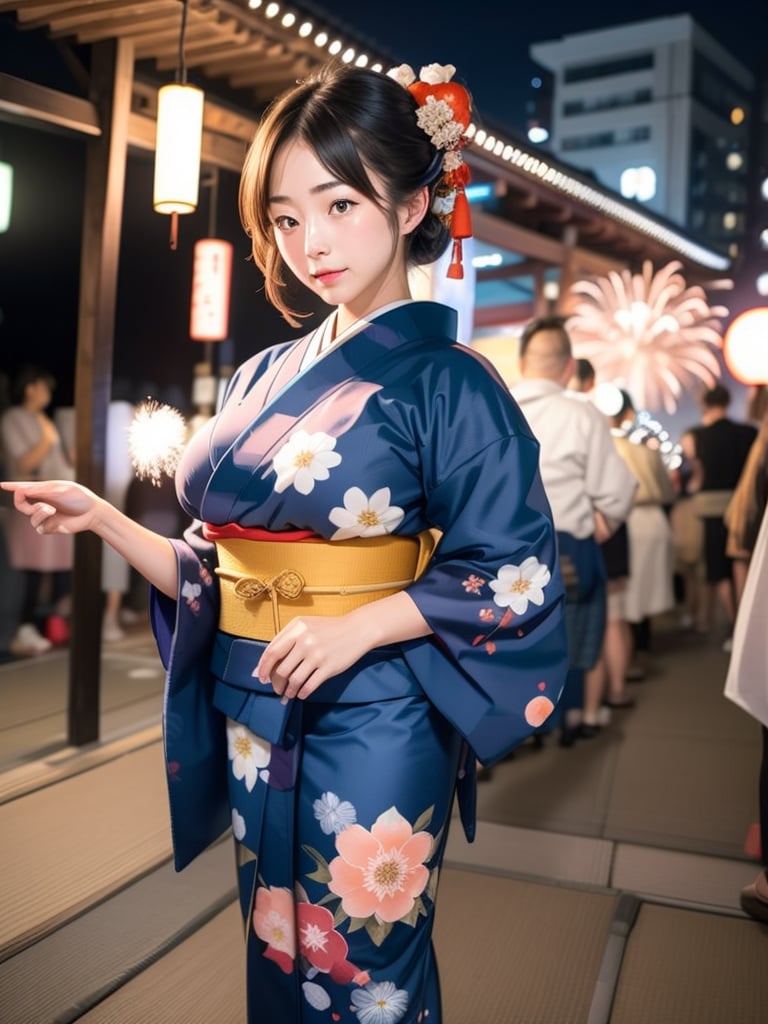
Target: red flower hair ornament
{"x":444,"y":114}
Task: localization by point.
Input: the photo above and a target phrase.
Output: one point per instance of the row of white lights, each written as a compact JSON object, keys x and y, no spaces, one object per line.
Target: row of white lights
{"x":323,"y":41}
{"x":532,"y":165}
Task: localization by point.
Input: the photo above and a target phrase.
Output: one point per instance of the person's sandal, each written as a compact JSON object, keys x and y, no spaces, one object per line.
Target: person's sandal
{"x":753,"y":903}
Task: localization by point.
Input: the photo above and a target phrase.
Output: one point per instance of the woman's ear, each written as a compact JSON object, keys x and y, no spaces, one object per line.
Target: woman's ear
{"x":414,"y":211}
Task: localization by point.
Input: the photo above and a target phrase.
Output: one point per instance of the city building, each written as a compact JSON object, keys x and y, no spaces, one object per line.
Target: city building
{"x":659,"y":111}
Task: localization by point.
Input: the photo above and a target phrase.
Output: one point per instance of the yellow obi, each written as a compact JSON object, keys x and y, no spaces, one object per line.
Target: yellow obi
{"x":264,"y":584}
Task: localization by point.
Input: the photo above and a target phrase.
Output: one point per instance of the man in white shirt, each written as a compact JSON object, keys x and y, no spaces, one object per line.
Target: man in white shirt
{"x":589,"y":486}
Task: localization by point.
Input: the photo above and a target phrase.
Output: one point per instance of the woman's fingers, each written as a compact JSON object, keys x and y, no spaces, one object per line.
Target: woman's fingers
{"x":292,"y":658}
{"x":39,"y":516}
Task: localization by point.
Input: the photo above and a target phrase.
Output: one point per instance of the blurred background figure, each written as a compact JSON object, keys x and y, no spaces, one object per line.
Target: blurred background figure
{"x":10,"y":580}
{"x":747,"y":686}
{"x":604,"y":684}
{"x":745,"y":509}
{"x":33,"y":449}
{"x":650,"y":588}
{"x":717,"y":450}
{"x":590,"y":490}
{"x":688,"y":545}
{"x":118,"y":474}
{"x":583,"y":379}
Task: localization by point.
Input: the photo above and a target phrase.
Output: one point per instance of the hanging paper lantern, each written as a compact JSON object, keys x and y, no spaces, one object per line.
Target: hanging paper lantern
{"x":177,"y":148}
{"x":746,"y":346}
{"x":211,"y":278}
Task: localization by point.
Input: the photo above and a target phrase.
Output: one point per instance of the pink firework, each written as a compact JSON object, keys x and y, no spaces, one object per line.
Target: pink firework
{"x":648,"y":333}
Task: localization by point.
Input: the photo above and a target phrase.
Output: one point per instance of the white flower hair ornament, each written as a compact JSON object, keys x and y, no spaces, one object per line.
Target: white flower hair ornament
{"x":444,"y":114}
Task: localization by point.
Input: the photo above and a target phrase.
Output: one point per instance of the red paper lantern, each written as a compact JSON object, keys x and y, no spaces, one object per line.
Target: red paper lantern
{"x":211,"y":279}
{"x":745,"y":346}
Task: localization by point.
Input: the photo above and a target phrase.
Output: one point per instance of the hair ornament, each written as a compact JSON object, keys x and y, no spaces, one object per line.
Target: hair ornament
{"x":444,"y":115}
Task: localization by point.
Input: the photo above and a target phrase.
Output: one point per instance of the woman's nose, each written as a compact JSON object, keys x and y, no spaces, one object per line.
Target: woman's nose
{"x":315,"y":241}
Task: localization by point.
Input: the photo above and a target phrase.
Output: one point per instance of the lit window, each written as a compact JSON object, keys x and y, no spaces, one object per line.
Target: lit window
{"x":638,"y":183}
{"x":729,"y":220}
{"x":537,"y":133}
{"x":734,"y":161}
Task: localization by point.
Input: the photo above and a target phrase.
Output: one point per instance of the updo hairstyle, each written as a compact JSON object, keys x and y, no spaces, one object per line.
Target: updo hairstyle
{"x":355,"y":120}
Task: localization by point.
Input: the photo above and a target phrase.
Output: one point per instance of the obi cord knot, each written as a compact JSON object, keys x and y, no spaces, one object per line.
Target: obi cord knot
{"x":444,"y":115}
{"x":288,"y":584}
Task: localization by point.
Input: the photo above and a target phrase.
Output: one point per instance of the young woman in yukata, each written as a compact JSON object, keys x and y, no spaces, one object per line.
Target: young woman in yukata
{"x":368,"y":597}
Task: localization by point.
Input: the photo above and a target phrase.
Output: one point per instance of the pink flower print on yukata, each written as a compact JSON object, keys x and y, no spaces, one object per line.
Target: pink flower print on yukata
{"x":473,"y":584}
{"x":380,"y":873}
{"x":273,"y":922}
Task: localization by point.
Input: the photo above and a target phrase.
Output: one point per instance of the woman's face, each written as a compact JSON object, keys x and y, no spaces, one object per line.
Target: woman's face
{"x":334,"y":239}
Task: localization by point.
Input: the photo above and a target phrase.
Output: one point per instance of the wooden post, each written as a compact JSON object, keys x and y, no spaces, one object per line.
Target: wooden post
{"x":110,"y":90}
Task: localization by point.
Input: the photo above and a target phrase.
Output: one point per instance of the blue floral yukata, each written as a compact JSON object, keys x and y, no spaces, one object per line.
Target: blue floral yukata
{"x":340,"y":804}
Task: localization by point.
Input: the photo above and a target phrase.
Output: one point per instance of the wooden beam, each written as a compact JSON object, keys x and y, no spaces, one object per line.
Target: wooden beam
{"x":504,"y":233}
{"x":525,"y":268}
{"x":71,"y":17}
{"x":217,"y":150}
{"x":28,"y":101}
{"x":499,"y":316}
{"x":111,"y":79}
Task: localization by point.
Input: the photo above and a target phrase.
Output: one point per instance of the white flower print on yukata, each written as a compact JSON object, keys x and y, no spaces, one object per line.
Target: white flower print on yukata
{"x":248,"y":753}
{"x":362,"y":516}
{"x":191,"y":592}
{"x":334,"y":814}
{"x":517,"y":585}
{"x":238,"y":825}
{"x":380,"y":1003}
{"x":303,"y":459}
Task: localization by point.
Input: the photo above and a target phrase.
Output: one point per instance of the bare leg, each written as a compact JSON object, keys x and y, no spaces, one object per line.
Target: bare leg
{"x":111,"y":630}
{"x":594,"y":688}
{"x":618,"y":654}
{"x":740,"y":566}
{"x":724,"y":590}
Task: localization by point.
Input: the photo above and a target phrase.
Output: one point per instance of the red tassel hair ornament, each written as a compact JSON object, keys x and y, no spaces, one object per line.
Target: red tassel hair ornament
{"x":444,"y":114}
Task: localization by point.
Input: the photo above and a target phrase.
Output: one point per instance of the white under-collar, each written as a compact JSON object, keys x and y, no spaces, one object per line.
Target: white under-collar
{"x":323,"y":339}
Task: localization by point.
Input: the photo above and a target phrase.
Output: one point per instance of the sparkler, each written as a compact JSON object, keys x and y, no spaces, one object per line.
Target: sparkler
{"x":156,"y":439}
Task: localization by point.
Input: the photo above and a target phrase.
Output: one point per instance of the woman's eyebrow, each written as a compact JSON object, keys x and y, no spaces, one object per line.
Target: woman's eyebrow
{"x":324,"y":187}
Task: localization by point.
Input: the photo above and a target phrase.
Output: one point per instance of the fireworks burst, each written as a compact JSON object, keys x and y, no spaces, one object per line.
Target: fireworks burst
{"x":647,"y":333}
{"x":156,"y":439}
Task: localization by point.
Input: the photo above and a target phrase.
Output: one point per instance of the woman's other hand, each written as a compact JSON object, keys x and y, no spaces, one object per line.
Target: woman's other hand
{"x":307,"y":652}
{"x":314,"y":648}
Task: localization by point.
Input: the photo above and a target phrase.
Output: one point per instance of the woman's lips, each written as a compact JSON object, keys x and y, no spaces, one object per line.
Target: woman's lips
{"x":328,"y":276}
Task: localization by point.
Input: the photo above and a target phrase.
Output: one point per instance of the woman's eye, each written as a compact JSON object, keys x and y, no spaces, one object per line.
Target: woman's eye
{"x":343,"y":205}
{"x":285,"y":223}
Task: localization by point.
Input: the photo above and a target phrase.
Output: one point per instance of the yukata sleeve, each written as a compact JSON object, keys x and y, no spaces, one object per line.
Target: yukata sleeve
{"x":194,"y":732}
{"x":494,"y":599}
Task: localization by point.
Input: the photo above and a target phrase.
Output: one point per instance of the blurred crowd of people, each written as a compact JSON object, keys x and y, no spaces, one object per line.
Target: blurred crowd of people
{"x":641,"y":535}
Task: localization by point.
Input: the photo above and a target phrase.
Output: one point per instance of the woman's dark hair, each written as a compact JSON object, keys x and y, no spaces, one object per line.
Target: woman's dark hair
{"x":356,"y":121}
{"x":29,"y":374}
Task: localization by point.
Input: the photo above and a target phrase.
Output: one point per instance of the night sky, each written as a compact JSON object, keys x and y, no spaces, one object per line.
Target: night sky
{"x":491,"y":51}
{"x":39,"y":256}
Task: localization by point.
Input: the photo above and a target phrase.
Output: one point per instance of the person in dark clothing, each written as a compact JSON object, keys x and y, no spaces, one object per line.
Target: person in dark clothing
{"x":717,"y":451}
